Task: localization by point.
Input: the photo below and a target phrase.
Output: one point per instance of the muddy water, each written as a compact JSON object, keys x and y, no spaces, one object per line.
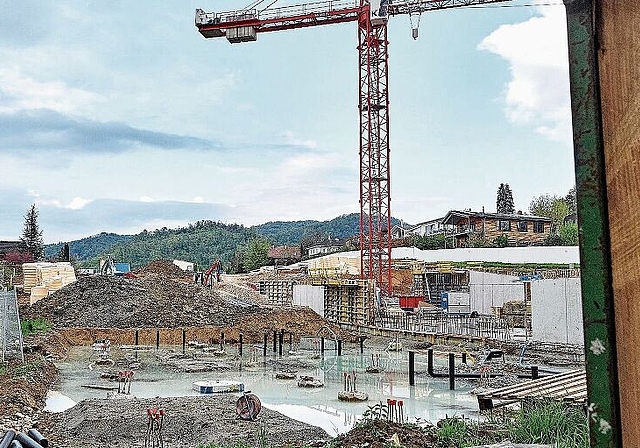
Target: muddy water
{"x":429,"y":400}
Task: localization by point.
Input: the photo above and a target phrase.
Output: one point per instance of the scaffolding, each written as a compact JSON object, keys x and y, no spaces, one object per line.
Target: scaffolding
{"x":430,"y":280}
{"x":10,"y":328}
{"x":348,"y":301}
{"x":277,"y":292}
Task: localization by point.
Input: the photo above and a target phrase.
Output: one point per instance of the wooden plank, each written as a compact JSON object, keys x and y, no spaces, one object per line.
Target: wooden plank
{"x":528,"y":385}
{"x":619,"y":72}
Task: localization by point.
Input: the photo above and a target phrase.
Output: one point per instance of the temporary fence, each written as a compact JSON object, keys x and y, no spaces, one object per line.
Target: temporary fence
{"x":442,"y":323}
{"x":10,"y":329}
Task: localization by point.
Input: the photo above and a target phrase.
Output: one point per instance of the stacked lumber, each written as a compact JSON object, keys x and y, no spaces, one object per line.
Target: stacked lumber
{"x":334,"y":266}
{"x":42,"y":279}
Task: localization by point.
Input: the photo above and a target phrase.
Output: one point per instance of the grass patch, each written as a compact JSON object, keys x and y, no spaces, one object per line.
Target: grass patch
{"x":34,"y":326}
{"x":553,"y":423}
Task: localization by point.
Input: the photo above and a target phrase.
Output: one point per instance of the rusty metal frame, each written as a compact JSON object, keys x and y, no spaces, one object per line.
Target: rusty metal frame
{"x":595,"y":249}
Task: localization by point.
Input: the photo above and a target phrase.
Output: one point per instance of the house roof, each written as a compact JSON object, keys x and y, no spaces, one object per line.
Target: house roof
{"x":456,"y":215}
{"x":284,"y":252}
{"x":9,"y":246}
{"x":431,"y":221}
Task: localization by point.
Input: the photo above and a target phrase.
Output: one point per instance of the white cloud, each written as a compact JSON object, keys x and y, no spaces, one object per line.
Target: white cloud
{"x":25,"y":93}
{"x":145,"y":199}
{"x":538,"y":92}
{"x":78,"y":203}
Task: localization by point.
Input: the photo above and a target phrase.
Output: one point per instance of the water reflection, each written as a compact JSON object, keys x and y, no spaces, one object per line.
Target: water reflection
{"x":429,"y":400}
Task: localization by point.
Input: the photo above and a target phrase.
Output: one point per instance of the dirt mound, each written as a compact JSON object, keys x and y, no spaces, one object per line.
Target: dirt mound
{"x":24,"y":388}
{"x":188,"y":422}
{"x":165,"y":268}
{"x":148,"y":302}
{"x":402,"y":280}
{"x":381,"y":433}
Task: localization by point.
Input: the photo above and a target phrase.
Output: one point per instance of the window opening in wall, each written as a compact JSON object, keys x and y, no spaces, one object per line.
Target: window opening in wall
{"x":523,"y":226}
{"x":504,"y":225}
{"x":538,"y":227}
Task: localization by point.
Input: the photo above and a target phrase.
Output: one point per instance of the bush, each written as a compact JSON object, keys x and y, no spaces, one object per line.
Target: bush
{"x":32,"y":326}
{"x":568,"y":234}
{"x":501,"y":241}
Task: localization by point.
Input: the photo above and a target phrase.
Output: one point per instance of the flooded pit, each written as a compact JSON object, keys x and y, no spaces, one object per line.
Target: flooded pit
{"x":428,"y":400}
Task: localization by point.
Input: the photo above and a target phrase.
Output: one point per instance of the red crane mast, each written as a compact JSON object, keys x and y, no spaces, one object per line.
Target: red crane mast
{"x":373,"y":104}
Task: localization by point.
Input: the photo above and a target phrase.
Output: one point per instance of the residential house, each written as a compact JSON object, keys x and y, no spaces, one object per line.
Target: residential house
{"x":325,"y":248}
{"x":9,"y":246}
{"x":284,"y":255}
{"x":521,"y":230}
{"x":432,"y":227}
{"x":399,"y":231}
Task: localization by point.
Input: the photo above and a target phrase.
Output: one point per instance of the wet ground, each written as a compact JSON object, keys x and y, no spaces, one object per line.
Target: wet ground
{"x":428,"y":400}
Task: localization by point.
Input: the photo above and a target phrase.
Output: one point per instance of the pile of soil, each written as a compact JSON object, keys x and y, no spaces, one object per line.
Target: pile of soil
{"x":165,"y":268}
{"x":188,"y":422}
{"x":147,"y":302}
{"x":154,"y":301}
{"x":382,"y":433}
{"x":402,"y":280}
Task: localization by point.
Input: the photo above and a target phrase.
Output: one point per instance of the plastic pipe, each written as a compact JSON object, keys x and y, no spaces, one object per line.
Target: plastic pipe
{"x":26,"y":441}
{"x":7,"y":438}
{"x":39,"y":438}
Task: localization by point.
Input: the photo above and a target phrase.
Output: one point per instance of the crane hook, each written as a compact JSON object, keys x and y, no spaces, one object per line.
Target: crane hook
{"x":414,"y":29}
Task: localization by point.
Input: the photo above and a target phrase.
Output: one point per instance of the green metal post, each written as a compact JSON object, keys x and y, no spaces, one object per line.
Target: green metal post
{"x":595,"y":250}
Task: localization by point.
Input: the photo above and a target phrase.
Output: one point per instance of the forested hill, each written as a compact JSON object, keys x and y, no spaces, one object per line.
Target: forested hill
{"x":295,"y":232}
{"x":89,"y":247}
{"x":201,"y":243}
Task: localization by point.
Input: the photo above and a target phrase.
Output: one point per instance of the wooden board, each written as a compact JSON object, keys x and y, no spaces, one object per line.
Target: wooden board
{"x":619,"y":71}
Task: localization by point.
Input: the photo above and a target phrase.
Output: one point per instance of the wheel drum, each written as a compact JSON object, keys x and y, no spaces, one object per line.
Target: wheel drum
{"x":248,"y":407}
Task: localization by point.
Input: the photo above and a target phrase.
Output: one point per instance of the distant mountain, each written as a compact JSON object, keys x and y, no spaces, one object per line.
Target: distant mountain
{"x":293,"y":232}
{"x":203,"y":241}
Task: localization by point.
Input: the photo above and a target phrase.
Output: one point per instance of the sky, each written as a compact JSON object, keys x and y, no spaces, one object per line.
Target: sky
{"x":119,"y":116}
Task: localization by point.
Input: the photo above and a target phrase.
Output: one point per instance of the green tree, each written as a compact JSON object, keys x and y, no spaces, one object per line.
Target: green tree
{"x":551,"y":207}
{"x":568,"y":234}
{"x":430,"y":242}
{"x":571,"y":201}
{"x":255,"y":255}
{"x":504,"y":200}
{"x":31,"y":239}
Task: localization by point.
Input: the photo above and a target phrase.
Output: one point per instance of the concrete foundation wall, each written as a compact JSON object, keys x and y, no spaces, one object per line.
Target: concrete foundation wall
{"x":556,"y":311}
{"x":489,"y":290}
{"x":309,"y":296}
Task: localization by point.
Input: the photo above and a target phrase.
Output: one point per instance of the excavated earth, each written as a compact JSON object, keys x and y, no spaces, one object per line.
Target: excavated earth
{"x":188,"y":421}
{"x":146,"y":302}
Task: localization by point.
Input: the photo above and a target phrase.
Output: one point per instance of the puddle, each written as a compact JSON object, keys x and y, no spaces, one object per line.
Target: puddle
{"x":429,"y":400}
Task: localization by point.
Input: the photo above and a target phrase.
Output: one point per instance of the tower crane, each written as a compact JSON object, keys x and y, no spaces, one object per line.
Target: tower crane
{"x":372,"y":17}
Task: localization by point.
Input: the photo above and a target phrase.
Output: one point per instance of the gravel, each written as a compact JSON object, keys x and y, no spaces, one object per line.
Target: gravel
{"x":189,"y":421}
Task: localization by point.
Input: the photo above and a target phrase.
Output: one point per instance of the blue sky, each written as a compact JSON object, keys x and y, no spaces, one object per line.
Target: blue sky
{"x":118,"y":116}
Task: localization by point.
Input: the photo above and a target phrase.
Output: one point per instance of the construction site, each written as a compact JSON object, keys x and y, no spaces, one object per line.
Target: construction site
{"x":316,"y":319}
{"x":344,"y":350}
